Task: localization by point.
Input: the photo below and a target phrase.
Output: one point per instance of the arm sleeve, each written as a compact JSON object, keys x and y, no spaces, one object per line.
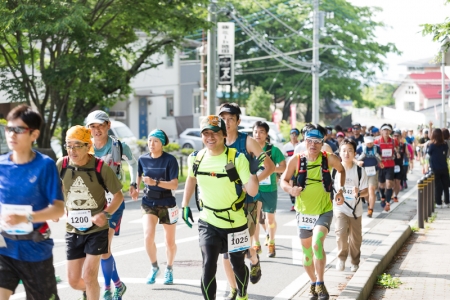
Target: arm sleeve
{"x":132,"y":163}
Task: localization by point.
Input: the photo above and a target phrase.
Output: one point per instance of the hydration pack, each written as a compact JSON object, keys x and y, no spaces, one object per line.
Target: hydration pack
{"x":116,"y":154}
{"x":302,"y":173}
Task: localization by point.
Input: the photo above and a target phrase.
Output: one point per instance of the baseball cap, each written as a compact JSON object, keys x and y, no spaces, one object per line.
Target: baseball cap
{"x":356,"y":126}
{"x":368,"y":139}
{"x":294,"y":130}
{"x":375,"y":130}
{"x":214,"y":123}
{"x":97,"y":117}
{"x":340,"y":134}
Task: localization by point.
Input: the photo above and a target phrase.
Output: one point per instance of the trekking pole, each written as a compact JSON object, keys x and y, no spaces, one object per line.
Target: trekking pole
{"x":420,"y":203}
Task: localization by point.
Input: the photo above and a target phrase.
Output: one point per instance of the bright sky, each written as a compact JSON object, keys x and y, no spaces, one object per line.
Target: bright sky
{"x":404,"y":18}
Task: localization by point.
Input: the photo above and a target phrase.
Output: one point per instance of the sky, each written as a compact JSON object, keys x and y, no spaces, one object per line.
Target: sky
{"x":403,"y":19}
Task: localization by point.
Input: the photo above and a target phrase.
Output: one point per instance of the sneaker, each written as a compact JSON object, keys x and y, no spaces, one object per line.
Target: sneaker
{"x":354,"y":268}
{"x":272,"y":251}
{"x":107,"y":295}
{"x":395,"y":199}
{"x":118,"y":292}
{"x":266,"y":243}
{"x":438,"y":206}
{"x":322,"y":292}
{"x":258,"y":249}
{"x":233,"y":294}
{"x":383,"y":203}
{"x":369,"y":212}
{"x":312,"y":292}
{"x":255,"y":271}
{"x":340,"y":265}
{"x":445,"y":205}
{"x":292,"y":208}
{"x":168,"y":276}
{"x":242,"y":297}
{"x":151,"y":277}
{"x":387,"y":207}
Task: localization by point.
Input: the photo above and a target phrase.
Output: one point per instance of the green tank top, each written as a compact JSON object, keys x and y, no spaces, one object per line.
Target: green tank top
{"x":314,"y":200}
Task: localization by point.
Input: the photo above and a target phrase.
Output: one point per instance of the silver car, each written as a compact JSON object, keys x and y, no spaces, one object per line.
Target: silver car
{"x":191,"y":138}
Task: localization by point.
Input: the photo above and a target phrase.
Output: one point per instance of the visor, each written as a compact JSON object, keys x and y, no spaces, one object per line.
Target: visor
{"x":314,"y":134}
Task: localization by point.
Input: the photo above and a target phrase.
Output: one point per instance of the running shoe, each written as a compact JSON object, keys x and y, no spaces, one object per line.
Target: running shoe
{"x":242,"y":297}
{"x":395,"y":199}
{"x":168,"y":276}
{"x":445,"y":205}
{"x":292,"y":208}
{"x":322,"y":292}
{"x":383,"y":203}
{"x":369,"y":212}
{"x":151,"y":277}
{"x":387,"y":207}
{"x":312,"y":292}
{"x":258,"y":249}
{"x":271,"y":252}
{"x":107,"y":295}
{"x":118,"y":292}
{"x":232,"y":295}
{"x":255,"y":272}
{"x":438,"y":206}
{"x":340,"y":265}
{"x":266,"y":243}
{"x":354,"y":268}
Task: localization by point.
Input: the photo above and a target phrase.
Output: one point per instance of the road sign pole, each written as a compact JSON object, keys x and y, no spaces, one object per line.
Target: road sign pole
{"x":212,"y":44}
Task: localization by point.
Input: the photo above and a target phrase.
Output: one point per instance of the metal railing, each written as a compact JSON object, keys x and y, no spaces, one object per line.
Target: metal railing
{"x":425,"y":200}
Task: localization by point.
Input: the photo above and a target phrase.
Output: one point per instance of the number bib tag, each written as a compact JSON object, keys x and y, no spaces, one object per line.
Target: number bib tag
{"x":80,"y":219}
{"x":370,"y":171}
{"x":109,"y":196}
{"x":265,"y":181}
{"x":307,"y":221}
{"x":21,"y":228}
{"x":397,"y":169}
{"x":386,"y":153}
{"x":173,"y":214}
{"x":238,"y":241}
{"x":348,"y":195}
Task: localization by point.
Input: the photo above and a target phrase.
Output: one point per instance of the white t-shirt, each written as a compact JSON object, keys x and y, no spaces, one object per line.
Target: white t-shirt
{"x":288,"y":150}
{"x":351,"y":180}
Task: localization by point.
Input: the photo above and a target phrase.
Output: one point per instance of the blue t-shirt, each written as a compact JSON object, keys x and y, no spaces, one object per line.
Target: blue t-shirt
{"x":369,"y":160}
{"x":438,"y":156}
{"x":163,"y":168}
{"x":409,"y":139}
{"x":35,"y":183}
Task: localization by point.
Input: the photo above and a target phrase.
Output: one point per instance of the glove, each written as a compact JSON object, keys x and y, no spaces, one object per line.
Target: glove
{"x":256,"y":163}
{"x":187,"y":213}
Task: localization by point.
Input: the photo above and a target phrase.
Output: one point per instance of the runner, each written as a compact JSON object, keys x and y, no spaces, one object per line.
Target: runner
{"x":288,"y":151}
{"x":230,"y":113}
{"x":386,"y":176}
{"x":399,"y":159}
{"x":268,"y":193}
{"x":112,"y":152}
{"x":85,"y":180}
{"x":221,"y":174}
{"x":313,"y":205}
{"x":369,"y":157}
{"x":329,"y":140}
{"x":30,"y":194}
{"x":159,"y":171}
{"x":357,"y":136}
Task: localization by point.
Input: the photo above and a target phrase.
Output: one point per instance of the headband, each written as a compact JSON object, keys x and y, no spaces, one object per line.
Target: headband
{"x":385,"y":126}
{"x":158,"y":134}
{"x":314,"y":133}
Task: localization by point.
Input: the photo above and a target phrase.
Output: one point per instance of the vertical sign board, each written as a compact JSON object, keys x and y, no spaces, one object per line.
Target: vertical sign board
{"x":225,"y":50}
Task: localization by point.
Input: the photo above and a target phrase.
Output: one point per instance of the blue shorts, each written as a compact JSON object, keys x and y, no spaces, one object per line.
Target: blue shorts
{"x":115,"y":221}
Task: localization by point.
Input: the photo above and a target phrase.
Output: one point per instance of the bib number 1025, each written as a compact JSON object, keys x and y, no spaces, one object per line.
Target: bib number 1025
{"x":238,"y":241}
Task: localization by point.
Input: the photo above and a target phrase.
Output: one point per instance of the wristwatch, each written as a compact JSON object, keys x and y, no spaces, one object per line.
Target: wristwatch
{"x":107,"y":215}
{"x":30,"y":218}
{"x":134,"y":184}
{"x":157,"y":182}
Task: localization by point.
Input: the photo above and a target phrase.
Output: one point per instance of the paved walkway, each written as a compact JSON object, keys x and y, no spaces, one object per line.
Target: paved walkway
{"x":423,"y":264}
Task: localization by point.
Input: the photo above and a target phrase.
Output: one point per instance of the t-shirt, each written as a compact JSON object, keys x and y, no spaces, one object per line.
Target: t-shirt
{"x":332,"y":144}
{"x":409,"y":139}
{"x":351,"y":180}
{"x":163,"y":168}
{"x":288,"y":150}
{"x":314,"y":200}
{"x":438,"y":156}
{"x":220,"y":193}
{"x":82,"y":191}
{"x":270,"y":184}
{"x":387,"y":150}
{"x":35,"y":183}
{"x":105,"y":154}
{"x":359,"y":140}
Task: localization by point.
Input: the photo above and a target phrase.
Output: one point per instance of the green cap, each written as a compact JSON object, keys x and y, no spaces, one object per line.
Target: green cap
{"x":214,"y":123}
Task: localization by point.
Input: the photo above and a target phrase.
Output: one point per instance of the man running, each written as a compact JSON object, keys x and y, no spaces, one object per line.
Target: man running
{"x":312,"y":187}
{"x":112,"y":152}
{"x":288,"y":151}
{"x":357,"y":136}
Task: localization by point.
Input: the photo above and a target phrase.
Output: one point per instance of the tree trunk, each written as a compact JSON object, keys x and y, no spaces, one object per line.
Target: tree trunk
{"x":308,"y":113}
{"x":287,"y":109}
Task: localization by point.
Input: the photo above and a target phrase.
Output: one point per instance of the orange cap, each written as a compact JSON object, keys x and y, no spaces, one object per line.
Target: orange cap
{"x":80,"y":133}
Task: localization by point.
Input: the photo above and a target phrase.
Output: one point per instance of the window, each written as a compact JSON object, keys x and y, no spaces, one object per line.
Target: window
{"x":194,"y":133}
{"x":118,"y":114}
{"x":169,"y":106}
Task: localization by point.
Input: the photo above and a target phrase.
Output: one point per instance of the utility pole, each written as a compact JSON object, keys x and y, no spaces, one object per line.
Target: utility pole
{"x":443,"y":122}
{"x":315,"y":64}
{"x":212,"y":55}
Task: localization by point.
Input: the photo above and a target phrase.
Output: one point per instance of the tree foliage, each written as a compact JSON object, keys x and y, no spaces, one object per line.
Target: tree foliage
{"x":66,"y":57}
{"x":440,"y":32}
{"x":378,"y":95}
{"x":258,"y":104}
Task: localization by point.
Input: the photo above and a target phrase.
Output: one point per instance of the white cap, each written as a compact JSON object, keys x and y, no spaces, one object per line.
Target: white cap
{"x":368,"y":139}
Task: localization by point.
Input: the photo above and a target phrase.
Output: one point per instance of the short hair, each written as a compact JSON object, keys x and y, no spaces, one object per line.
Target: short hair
{"x":310,"y":126}
{"x":338,"y":128}
{"x":348,"y":141}
{"x":261,"y":124}
{"x":27,"y":114}
{"x":233,"y":107}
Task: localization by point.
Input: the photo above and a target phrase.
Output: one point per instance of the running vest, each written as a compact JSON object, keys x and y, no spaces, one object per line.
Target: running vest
{"x":240,"y":144}
{"x":301,"y":173}
{"x":387,"y":151}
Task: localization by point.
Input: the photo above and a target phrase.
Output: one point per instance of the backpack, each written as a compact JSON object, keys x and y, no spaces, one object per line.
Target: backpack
{"x":116,"y":154}
{"x":238,"y":203}
{"x":359,"y":170}
{"x":97,"y":169}
{"x":301,"y":176}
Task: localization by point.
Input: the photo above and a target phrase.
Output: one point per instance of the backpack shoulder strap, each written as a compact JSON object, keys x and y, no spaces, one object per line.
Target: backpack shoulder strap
{"x":198,"y":159}
{"x":231,"y":158}
{"x":333,"y":174}
{"x":98,"y":173}
{"x":359,"y":170}
{"x":64,"y":165}
{"x":269,"y":150}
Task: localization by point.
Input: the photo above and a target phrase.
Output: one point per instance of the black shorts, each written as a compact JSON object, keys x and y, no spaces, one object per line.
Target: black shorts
{"x":212,"y":235}
{"x":386,"y":174}
{"x":399,"y":175}
{"x":38,"y":277}
{"x":78,"y":245}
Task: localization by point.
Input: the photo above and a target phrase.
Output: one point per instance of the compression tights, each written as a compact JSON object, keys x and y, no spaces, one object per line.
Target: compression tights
{"x":210,"y":254}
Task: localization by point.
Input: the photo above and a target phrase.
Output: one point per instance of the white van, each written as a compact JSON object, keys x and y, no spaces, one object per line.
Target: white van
{"x":124,"y":134}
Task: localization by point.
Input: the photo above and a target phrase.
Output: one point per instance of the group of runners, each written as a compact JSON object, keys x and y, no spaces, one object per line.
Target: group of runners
{"x":234,"y":179}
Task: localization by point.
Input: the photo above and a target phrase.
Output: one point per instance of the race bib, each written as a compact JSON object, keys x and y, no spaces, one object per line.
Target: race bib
{"x":109,"y":196}
{"x":348,"y":195}
{"x":307,"y":221}
{"x":80,"y":219}
{"x":19,"y":229}
{"x":238,"y":241}
{"x":386,"y":152}
{"x":397,"y":169}
{"x":370,"y":171}
{"x":265,"y":181}
{"x":173,"y":214}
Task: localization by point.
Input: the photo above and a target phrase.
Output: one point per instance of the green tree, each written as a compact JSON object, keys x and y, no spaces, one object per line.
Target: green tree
{"x":440,"y":33}
{"x":378,"y":95}
{"x":258,"y":104}
{"x":65,"y":57}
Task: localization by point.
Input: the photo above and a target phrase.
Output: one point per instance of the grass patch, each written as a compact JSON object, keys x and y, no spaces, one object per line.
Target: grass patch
{"x":414,"y":228}
{"x":388,"y":282}
{"x":432,"y":218}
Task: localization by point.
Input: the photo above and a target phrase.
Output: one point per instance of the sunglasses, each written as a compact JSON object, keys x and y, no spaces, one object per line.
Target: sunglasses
{"x":314,"y":141}
{"x":18,"y":129}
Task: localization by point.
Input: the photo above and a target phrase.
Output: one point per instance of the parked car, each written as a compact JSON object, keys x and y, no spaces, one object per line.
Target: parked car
{"x":3,"y":145}
{"x":191,"y":138}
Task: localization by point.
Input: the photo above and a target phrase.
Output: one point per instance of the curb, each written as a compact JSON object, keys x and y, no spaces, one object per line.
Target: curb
{"x":361,"y":285}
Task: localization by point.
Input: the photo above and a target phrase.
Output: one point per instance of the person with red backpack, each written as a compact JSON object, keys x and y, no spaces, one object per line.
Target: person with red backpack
{"x":309,"y":172}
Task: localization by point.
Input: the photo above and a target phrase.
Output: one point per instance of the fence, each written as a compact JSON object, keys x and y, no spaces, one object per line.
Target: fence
{"x":425,"y":200}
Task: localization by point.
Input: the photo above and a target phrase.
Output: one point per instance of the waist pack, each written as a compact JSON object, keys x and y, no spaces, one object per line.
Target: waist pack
{"x":38,"y":235}
{"x":157,"y":194}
